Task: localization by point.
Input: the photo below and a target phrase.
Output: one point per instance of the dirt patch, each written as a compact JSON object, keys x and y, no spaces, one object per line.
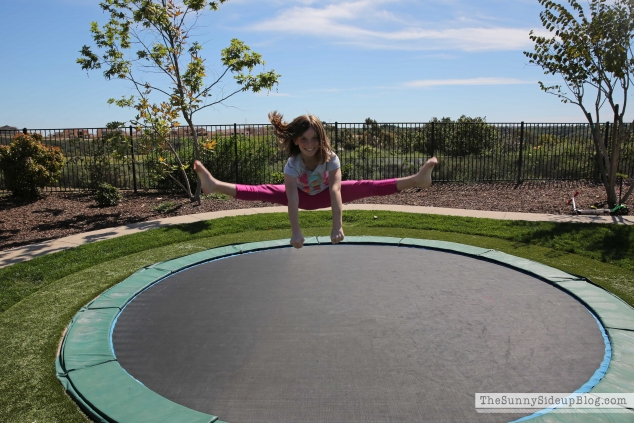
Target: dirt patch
{"x":56,"y":215}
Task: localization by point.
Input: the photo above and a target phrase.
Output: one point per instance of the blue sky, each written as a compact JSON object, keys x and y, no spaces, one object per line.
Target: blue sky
{"x":391,"y":60}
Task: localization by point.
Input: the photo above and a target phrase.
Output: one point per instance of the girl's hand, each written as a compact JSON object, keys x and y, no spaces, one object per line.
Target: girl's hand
{"x":297,"y":239}
{"x":336,"y":235}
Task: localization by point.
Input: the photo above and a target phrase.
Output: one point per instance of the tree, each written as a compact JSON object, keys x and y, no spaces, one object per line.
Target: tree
{"x":592,"y":55}
{"x":375,"y":135}
{"x":462,"y":137}
{"x":160,"y":32}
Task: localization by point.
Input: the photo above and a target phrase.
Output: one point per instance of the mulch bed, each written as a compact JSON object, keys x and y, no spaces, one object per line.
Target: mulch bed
{"x":57,"y":215}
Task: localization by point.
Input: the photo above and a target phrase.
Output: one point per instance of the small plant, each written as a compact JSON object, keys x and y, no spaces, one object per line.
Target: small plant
{"x":107,"y":195}
{"x":28,"y":165}
{"x":216,"y":196}
{"x":277,"y":178}
{"x":347,"y":172}
{"x":112,"y":144}
{"x":165,"y":207}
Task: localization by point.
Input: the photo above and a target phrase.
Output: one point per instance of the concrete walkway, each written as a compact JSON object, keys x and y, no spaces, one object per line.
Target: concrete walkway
{"x":16,"y":255}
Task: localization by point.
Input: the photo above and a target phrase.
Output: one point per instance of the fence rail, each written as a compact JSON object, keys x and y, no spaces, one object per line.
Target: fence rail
{"x":468,"y":152}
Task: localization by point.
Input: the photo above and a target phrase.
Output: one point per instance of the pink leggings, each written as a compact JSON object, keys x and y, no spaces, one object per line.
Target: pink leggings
{"x":350,"y":191}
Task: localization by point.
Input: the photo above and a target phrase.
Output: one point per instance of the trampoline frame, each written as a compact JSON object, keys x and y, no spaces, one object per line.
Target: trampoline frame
{"x":89,"y":371}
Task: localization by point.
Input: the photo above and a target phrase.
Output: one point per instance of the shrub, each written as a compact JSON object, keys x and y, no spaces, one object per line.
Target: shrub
{"x":347,"y":140}
{"x":414,"y":141}
{"x":113,"y":144}
{"x":253,"y":158}
{"x":463,"y":137}
{"x":347,"y":172}
{"x":107,"y":195}
{"x":277,"y":178}
{"x":28,"y":165}
{"x":165,"y":207}
{"x":162,"y":167}
{"x":366,"y":163}
{"x":216,"y":196}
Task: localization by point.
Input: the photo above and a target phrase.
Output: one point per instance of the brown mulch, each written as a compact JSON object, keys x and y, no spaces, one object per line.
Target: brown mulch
{"x":57,"y":215}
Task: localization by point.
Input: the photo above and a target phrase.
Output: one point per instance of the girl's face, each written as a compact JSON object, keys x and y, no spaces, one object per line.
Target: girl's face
{"x":308,"y":143}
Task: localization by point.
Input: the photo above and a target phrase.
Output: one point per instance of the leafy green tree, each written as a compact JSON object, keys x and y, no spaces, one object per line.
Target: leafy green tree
{"x":462,"y":137}
{"x":593,"y":55}
{"x":376,"y":136}
{"x":160,"y":33}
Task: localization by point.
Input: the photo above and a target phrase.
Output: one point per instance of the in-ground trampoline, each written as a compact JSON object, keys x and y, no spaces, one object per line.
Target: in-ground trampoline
{"x":371,"y":330}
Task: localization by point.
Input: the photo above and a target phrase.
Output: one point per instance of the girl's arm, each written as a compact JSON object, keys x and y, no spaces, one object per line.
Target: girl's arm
{"x":334,"y":176}
{"x":297,"y":239}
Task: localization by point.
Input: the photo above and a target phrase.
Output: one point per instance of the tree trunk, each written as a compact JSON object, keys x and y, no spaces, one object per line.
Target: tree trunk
{"x":615,"y":149}
{"x":604,"y":164}
{"x":628,"y":193}
{"x":625,"y":134}
{"x":612,"y":197}
{"x":195,"y":198}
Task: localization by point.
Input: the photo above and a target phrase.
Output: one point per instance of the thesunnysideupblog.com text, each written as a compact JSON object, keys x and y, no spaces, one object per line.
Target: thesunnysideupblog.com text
{"x":526,"y":402}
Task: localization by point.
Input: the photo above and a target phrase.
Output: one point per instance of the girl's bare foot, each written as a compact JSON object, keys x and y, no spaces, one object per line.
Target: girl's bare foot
{"x":208,"y":182}
{"x":423,"y":177}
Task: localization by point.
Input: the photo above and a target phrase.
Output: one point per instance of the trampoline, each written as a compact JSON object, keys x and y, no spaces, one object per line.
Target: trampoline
{"x":371,"y":330}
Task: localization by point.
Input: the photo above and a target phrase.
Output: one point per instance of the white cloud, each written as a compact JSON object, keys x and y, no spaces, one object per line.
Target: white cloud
{"x":271,"y":94}
{"x":340,"y":90}
{"x":364,"y":23}
{"x":423,"y":83}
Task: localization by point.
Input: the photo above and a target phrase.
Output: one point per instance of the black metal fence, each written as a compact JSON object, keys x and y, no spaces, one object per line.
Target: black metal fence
{"x":468,"y":152}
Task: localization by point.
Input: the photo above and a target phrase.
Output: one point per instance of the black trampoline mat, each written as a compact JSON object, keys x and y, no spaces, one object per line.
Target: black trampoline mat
{"x":354,"y":333}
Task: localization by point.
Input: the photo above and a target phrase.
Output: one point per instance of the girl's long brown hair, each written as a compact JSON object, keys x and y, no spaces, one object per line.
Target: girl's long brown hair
{"x":288,"y":132}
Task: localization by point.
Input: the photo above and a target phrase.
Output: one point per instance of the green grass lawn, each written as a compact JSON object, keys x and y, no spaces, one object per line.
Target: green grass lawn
{"x":38,"y":298}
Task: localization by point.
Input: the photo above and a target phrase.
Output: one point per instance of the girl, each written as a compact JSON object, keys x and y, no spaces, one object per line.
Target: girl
{"x":312,"y":177}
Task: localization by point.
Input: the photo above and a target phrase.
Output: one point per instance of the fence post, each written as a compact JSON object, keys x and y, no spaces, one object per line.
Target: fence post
{"x":336,"y":135}
{"x":433,"y":138}
{"x":519,"y":168}
{"x":133,"y":164}
{"x":235,"y":150}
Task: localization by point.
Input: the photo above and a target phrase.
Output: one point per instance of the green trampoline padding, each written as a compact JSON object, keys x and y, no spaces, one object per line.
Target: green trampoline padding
{"x":614,"y":312}
{"x":620,"y":374}
{"x":87,"y":342}
{"x":89,"y":371}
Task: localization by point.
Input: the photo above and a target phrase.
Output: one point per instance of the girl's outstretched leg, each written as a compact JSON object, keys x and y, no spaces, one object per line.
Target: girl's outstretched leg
{"x":422,"y":179}
{"x":211,"y":184}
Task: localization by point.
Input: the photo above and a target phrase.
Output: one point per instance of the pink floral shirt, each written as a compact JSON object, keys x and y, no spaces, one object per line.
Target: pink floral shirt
{"x":311,"y":182}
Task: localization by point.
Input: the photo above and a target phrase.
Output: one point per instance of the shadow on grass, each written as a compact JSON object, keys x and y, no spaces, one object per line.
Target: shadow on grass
{"x":191,"y":228}
{"x":607,"y":243}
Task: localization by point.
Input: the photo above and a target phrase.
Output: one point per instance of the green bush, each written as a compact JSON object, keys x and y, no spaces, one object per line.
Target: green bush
{"x":254,"y":156}
{"x":463,"y":137}
{"x":347,"y":172}
{"x":165,"y":207}
{"x":113,"y":144}
{"x":161,"y":166}
{"x":366,"y":163}
{"x":107,"y":195}
{"x":28,"y":165}
{"x":347,"y":140}
{"x":216,"y":196}
{"x":414,"y":141}
{"x":377,"y":136}
{"x":277,"y":178}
